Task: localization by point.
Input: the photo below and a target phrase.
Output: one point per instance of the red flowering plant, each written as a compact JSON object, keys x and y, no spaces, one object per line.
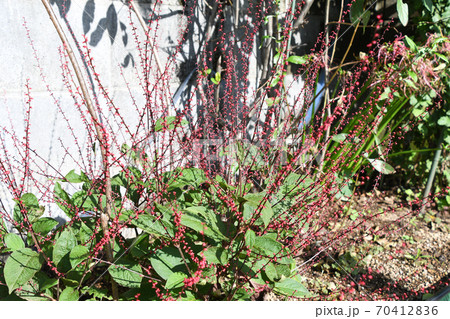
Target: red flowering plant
{"x":221,"y":196}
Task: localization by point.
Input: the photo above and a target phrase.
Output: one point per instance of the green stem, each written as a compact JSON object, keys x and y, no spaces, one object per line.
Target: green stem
{"x":434,"y":165}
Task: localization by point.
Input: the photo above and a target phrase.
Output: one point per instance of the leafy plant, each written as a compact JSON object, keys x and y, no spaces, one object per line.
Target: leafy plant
{"x":206,"y":202}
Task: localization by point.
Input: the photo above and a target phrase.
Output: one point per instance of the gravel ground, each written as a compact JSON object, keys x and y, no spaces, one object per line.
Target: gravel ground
{"x":396,"y":255}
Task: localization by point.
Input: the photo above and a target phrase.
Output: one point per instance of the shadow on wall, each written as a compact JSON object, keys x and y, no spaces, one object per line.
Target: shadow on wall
{"x":109,"y":23}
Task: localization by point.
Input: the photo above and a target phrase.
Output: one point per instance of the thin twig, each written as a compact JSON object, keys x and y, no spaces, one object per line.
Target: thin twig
{"x":106,"y":214}
{"x":155,"y":54}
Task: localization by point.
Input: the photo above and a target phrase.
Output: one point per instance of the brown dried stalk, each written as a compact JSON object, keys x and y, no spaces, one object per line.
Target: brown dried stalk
{"x":106,"y":214}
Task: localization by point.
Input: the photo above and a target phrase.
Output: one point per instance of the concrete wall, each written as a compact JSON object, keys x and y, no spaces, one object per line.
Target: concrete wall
{"x":31,"y":55}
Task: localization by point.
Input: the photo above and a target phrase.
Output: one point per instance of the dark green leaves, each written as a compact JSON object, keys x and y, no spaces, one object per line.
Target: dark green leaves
{"x":428,"y":4}
{"x":358,"y":12}
{"x":21,"y":267}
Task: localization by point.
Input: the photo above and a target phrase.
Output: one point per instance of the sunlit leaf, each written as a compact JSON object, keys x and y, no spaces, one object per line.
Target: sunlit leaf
{"x":69,"y":294}
{"x":20,"y":267}
{"x":13,"y":242}
{"x":64,"y":245}
{"x":175,"y":280}
{"x":381,"y":166}
{"x":295,"y":59}
{"x":402,"y":10}
{"x":126,"y":273}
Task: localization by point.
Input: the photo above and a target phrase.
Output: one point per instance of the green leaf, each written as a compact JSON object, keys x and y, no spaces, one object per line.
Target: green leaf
{"x":444,"y":121}
{"x":73,"y":177}
{"x":216,"y":79}
{"x":31,"y":205}
{"x":446,"y":297}
{"x":345,"y":190}
{"x":166,"y":261}
{"x":204,"y":221}
{"x":44,"y":225}
{"x":97,"y":293}
{"x":216,"y":255}
{"x":294,"y":183}
{"x":271,"y":272}
{"x":78,"y":254}
{"x":275,"y":80}
{"x":124,"y":148}
{"x":339,"y":138}
{"x":267,"y":214}
{"x":252,"y":204}
{"x":30,"y":200}
{"x":44,"y":281}
{"x":63,"y":200}
{"x":154,"y":225}
{"x":266,"y":245}
{"x":402,"y":10}
{"x":250,"y":238}
{"x":276,"y":272}
{"x":126,"y":273}
{"x":418,"y":111}
{"x":291,"y":287}
{"x":20,"y":267}
{"x":193,"y":177}
{"x":295,"y":59}
{"x":14,"y":242}
{"x":358,"y":12}
{"x":175,"y":280}
{"x":410,"y":44}
{"x":443,"y":57}
{"x":271,"y":101}
{"x":64,"y":245}
{"x":428,"y":5}
{"x":381,"y":166}
{"x":84,"y":234}
{"x":276,"y":57}
{"x":69,"y":294}
{"x":168,"y":123}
